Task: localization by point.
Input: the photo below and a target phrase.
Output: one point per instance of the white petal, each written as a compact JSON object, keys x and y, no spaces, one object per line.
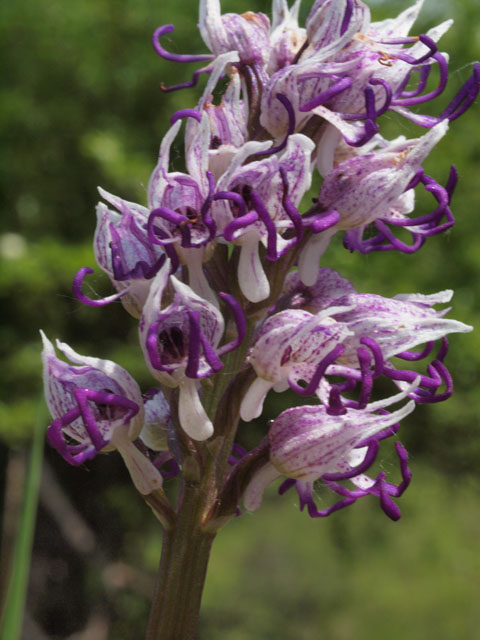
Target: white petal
{"x":211,"y":26}
{"x":251,"y":276}
{"x":144,"y":474}
{"x":326,"y":149}
{"x":252,"y":403}
{"x":193,"y":418}
{"x":381,"y":404}
{"x":442,"y":297}
{"x":309,"y":260}
{"x":218,"y":69}
{"x":197,"y":280}
{"x":252,"y":497}
{"x":157,"y":180}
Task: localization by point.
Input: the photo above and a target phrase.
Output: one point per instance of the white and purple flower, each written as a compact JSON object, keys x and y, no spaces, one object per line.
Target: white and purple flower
{"x":96,"y":407}
{"x":180,"y":335}
{"x":307,"y":444}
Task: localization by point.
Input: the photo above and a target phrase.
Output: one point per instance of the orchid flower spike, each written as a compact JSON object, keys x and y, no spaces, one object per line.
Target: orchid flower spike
{"x":96,"y":407}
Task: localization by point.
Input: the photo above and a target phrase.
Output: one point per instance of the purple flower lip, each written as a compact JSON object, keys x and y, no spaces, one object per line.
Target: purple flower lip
{"x":460,"y":103}
{"x":259,"y":212}
{"x":92,"y":402}
{"x":307,"y":444}
{"x":439,"y":220}
{"x":181,"y":340}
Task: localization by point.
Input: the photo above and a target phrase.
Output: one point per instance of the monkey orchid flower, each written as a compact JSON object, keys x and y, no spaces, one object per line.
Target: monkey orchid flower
{"x":292,"y":345}
{"x":307,"y":444}
{"x":180,"y":334}
{"x":372,"y":187}
{"x":123,"y":251}
{"x":96,"y":407}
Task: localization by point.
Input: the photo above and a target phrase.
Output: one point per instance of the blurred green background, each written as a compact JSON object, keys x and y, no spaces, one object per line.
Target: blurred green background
{"x":81,"y":106}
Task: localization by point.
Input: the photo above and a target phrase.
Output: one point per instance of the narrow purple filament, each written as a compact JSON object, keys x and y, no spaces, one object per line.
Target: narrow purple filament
{"x":186,"y":113}
{"x":79,"y":295}
{"x":239,"y":223}
{"x":187,"y":84}
{"x":347,"y":16}
{"x":77,"y":453}
{"x":174,"y":57}
{"x":291,"y":127}
{"x":312,"y":386}
{"x":269,"y":224}
{"x":292,"y":212}
{"x":418,"y":99}
{"x":328,"y":94}
{"x":240,"y":322}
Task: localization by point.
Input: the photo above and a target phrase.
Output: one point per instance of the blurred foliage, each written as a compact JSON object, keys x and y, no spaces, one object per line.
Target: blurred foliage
{"x":81,"y":106}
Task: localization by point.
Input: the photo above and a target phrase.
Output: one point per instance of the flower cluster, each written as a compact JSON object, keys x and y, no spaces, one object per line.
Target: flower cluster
{"x":221,"y":267}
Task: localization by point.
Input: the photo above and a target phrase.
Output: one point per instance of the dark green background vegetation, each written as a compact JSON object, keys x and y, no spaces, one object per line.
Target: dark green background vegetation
{"x":81,"y":106}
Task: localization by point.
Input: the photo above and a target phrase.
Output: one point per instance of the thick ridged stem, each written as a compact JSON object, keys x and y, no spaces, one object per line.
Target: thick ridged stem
{"x":182,"y":572}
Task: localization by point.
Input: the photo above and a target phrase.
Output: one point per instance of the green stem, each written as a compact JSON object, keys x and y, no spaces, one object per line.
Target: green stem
{"x":181,"y":577}
{"x":188,"y":540}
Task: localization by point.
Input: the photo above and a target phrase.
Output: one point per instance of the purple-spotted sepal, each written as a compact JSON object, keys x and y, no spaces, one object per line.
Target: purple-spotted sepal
{"x":248,"y":34}
{"x":396,"y":324}
{"x":286,"y":37}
